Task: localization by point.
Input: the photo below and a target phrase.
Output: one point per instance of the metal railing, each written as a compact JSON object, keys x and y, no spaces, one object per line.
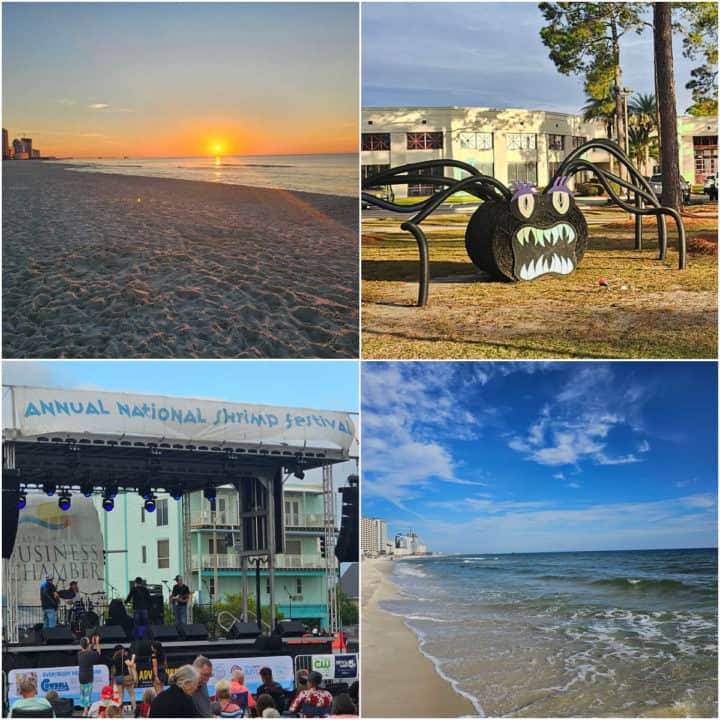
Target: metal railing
{"x":222,"y":517}
{"x":304,"y":520}
{"x":231,"y":561}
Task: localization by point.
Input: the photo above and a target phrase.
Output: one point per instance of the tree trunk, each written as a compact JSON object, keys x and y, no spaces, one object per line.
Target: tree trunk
{"x":669,"y":154}
{"x":619,"y":118}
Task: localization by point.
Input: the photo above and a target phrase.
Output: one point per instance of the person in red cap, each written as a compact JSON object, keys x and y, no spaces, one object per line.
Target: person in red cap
{"x":98,"y":708}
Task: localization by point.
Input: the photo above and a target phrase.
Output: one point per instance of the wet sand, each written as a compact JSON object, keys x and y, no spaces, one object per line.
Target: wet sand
{"x":116,"y":266}
{"x":397,"y":679}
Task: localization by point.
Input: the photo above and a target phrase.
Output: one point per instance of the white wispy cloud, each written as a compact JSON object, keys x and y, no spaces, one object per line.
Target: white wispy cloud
{"x":98,"y":106}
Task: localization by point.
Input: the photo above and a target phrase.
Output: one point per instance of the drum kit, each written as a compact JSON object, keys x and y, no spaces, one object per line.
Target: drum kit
{"x":82,"y":611}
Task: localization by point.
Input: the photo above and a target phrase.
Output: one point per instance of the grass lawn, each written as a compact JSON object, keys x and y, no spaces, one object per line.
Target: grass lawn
{"x":651,"y":309}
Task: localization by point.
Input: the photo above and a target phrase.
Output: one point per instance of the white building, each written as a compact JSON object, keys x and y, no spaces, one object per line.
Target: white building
{"x":373,"y":536}
{"x":508,"y":144}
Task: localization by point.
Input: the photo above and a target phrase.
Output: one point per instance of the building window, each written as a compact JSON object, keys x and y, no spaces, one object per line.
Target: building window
{"x":705,"y":140}
{"x":422,"y":189}
{"x":292,"y":513}
{"x":578,"y":140}
{"x":520,"y":141}
{"x":293,"y":547}
{"x":298,"y":586}
{"x":376,"y":141}
{"x":161,"y":512}
{"x":486,"y":168}
{"x":163,"y":554}
{"x":425,"y":141}
{"x":556,"y":142}
{"x":369,"y":171}
{"x":143,"y":553}
{"x":267,"y":585}
{"x":221,"y":546}
{"x":476,"y":140}
{"x":211,"y":586}
{"x":522,"y":172}
{"x":552,"y":169}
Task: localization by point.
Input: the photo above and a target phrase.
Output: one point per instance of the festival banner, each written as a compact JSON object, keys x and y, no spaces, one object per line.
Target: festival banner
{"x":336,"y":667}
{"x":65,"y":544}
{"x":64,"y":680}
{"x":30,"y":412}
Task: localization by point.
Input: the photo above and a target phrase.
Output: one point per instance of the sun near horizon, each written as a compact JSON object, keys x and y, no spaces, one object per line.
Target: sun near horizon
{"x":202,"y":80}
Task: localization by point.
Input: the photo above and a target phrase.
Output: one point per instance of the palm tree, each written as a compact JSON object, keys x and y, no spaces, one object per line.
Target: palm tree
{"x":643,"y":129}
{"x":600,"y":109}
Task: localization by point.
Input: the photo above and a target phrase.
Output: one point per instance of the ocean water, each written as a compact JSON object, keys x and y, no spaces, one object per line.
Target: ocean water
{"x":596,"y":634}
{"x":326,"y":174}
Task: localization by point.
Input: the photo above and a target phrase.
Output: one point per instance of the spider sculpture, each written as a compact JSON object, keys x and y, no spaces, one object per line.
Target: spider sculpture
{"x":520,"y":235}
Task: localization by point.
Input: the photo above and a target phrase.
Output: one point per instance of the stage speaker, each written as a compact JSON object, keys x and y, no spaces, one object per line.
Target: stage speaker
{"x":112,"y":634}
{"x":353,"y":646}
{"x":164,"y":633}
{"x":291,"y":628}
{"x":273,"y":643}
{"x":192,"y":631}
{"x":59,"y":635}
{"x":243,"y":631}
{"x":157,"y":609}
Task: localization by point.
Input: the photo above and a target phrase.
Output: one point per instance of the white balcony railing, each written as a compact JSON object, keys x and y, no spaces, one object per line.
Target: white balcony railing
{"x":304,"y":520}
{"x":231,"y":561}
{"x":205,"y":517}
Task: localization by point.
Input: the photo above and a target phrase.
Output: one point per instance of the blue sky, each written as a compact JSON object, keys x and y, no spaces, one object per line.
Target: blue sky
{"x":485,"y":55}
{"x":522,"y":457}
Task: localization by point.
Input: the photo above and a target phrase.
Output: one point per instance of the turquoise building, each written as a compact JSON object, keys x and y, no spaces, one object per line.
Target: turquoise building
{"x":151,"y":545}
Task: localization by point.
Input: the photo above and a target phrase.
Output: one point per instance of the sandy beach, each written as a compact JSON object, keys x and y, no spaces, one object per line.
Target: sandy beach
{"x":397,"y":679}
{"x":116,"y":266}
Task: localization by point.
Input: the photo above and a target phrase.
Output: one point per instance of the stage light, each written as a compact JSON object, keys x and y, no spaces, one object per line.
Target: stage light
{"x":209,"y":493}
{"x":108,"y":504}
{"x":64,"y":501}
{"x":111,"y":491}
{"x":150,"y":504}
{"x":86,"y":489}
{"x":299,"y":474}
{"x":22,"y":500}
{"x":49,"y":488}
{"x":145,"y":492}
{"x":176,"y":493}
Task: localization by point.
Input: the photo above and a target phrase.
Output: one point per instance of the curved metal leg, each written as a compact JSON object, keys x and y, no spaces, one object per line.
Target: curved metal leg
{"x":424,"y":270}
{"x":638,"y":223}
{"x":682,"y":243}
{"x":662,"y":236}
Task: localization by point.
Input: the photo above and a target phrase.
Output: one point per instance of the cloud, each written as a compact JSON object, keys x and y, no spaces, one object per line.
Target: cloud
{"x":687,"y":521}
{"x":98,"y":106}
{"x":66,"y":101}
{"x":576,"y":425}
{"x":559,"y":476}
{"x":574,"y":485}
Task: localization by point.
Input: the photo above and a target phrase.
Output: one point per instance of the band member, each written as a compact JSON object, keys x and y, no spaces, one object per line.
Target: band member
{"x":140,"y":598}
{"x":179,"y":599}
{"x":49,"y":600}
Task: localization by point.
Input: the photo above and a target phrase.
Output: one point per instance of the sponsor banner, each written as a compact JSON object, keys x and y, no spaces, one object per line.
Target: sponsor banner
{"x":64,"y":680}
{"x":67,"y":545}
{"x":336,"y":667}
{"x":281,"y":666}
{"x":30,"y":412}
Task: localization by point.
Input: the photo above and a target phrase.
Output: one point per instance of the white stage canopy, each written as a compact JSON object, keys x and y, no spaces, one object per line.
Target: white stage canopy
{"x":32,"y":412}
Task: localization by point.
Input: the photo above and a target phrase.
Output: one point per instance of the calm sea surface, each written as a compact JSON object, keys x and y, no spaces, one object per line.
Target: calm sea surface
{"x":326,"y":174}
{"x":570,"y":634}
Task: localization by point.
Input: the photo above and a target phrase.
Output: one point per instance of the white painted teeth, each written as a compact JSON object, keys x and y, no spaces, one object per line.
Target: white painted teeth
{"x":541,"y":266}
{"x":545,"y":236}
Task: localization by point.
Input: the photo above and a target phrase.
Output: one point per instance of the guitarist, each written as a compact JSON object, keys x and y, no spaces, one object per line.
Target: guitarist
{"x":179,"y":599}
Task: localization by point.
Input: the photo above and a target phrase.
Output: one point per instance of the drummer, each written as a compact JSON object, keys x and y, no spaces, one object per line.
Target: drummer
{"x":74,"y":596}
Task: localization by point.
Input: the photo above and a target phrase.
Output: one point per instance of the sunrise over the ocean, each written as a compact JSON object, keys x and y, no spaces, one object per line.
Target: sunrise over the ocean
{"x":181,"y":80}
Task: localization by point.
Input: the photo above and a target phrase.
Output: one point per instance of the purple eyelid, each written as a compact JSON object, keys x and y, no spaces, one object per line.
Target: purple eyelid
{"x":522,"y":188}
{"x":560,"y":185}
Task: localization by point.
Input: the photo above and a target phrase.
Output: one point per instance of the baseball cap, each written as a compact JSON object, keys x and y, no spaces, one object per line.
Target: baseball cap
{"x":106,"y":693}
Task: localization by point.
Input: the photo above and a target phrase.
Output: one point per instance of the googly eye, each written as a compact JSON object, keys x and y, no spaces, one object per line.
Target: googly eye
{"x":561,"y":201}
{"x":526,"y":204}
